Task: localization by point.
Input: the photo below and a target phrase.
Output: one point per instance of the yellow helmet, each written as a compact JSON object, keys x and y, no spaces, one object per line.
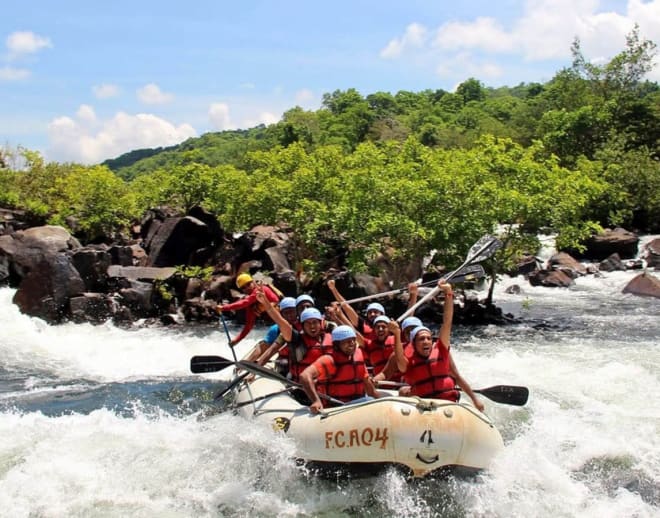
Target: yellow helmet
{"x":243,"y":279}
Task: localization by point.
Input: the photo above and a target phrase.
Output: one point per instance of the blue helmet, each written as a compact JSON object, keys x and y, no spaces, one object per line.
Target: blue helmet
{"x":310,"y":313}
{"x":414,"y":332}
{"x":304,"y":298}
{"x":340,"y":333}
{"x":376,"y":307}
{"x":411,"y":321}
{"x":287,"y":303}
{"x":381,"y":318}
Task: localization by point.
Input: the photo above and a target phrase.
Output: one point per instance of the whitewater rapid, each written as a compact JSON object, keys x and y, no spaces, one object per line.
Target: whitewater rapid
{"x":105,"y":421}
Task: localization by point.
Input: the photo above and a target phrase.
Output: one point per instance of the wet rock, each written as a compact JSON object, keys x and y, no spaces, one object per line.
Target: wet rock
{"x":567,"y":264}
{"x":550,"y":279}
{"x":92,"y":263}
{"x":611,"y":241}
{"x":46,"y":289}
{"x":652,"y":253}
{"x":25,"y":249}
{"x":611,"y":264}
{"x":91,"y":307}
{"x":644,"y":285}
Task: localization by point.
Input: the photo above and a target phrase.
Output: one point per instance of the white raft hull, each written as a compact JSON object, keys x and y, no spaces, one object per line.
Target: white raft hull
{"x":422,"y":435}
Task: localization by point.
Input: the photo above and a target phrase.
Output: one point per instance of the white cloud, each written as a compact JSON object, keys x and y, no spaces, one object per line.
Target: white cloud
{"x":20,"y":43}
{"x":105,"y":91}
{"x":484,"y":33}
{"x":465,"y":65}
{"x":305,"y":97}
{"x":152,"y":94}
{"x":219,"y":117}
{"x":13,"y":74}
{"x":544,"y":31}
{"x":266,"y":118}
{"x":413,"y":37}
{"x":88,"y":140}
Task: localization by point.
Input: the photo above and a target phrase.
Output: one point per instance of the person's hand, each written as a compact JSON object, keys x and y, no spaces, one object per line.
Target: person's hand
{"x":478,"y":404}
{"x":331,"y":284}
{"x":218,"y":308}
{"x":233,"y":342}
{"x":316,"y":407}
{"x":261,"y":296}
{"x":393,"y":327}
{"x":413,"y":288}
{"x":444,"y":286}
{"x":404,"y":391}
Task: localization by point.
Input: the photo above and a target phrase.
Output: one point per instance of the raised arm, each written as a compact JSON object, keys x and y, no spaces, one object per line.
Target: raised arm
{"x":399,"y":357}
{"x":350,"y":312}
{"x":448,"y":313}
{"x":286,"y":330}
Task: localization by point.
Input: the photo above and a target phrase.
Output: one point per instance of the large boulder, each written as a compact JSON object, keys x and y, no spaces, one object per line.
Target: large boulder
{"x":25,"y":249}
{"x":47,"y":288}
{"x":652,"y":253}
{"x":567,"y":264}
{"x":550,"y":279}
{"x":644,"y":285}
{"x":611,"y":241}
{"x":178,"y":241}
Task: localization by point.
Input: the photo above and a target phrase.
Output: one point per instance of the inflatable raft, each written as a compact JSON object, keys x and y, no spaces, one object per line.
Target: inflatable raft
{"x":422,"y":436}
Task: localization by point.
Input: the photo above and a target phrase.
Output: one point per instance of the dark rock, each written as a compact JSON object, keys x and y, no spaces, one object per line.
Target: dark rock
{"x":90,"y":307}
{"x":618,"y":240}
{"x":92,"y":263}
{"x":27,"y":248}
{"x":550,"y":279}
{"x":177,"y":241}
{"x":652,"y":253}
{"x":644,"y":285}
{"x":525,"y":265}
{"x":138,"y":298}
{"x":514,"y":289}
{"x":611,"y":264}
{"x":122,"y":255}
{"x":567,"y":264}
{"x":46,"y":289}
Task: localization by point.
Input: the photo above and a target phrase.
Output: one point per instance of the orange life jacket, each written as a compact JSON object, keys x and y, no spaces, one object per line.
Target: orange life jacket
{"x":377,"y":353}
{"x":347,"y":382}
{"x":307,"y":350}
{"x":429,"y":377}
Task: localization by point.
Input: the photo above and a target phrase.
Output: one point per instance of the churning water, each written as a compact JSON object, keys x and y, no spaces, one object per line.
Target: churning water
{"x":103,"y":421}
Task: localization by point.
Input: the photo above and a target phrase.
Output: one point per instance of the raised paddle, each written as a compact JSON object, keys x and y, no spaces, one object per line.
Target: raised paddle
{"x":469,"y":273}
{"x":505,"y":394}
{"x":480,"y":251}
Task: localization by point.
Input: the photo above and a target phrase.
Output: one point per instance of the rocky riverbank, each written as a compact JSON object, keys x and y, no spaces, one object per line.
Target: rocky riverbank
{"x":175,"y":269}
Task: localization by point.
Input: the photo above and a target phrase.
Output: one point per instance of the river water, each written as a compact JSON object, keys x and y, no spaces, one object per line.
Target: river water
{"x":103,"y":421}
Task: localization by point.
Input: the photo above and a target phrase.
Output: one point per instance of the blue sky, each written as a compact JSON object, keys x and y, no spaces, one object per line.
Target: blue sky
{"x":85,"y":81}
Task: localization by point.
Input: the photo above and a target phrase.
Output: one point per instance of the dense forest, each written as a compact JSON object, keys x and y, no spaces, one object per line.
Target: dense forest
{"x":408,"y":172}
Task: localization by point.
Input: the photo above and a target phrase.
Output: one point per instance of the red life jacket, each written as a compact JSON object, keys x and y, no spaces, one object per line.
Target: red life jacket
{"x":377,"y":353}
{"x":347,"y":382}
{"x":429,"y":377}
{"x":313,"y":349}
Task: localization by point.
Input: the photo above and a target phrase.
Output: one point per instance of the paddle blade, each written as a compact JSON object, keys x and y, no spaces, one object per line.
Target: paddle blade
{"x":483,"y":249}
{"x":468,"y":273}
{"x":506,"y":394}
{"x":201,"y":364}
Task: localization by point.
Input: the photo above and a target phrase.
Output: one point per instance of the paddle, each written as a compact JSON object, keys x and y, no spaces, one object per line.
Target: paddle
{"x":267,"y":373}
{"x":468,"y":273}
{"x":480,"y":251}
{"x":202,"y":364}
{"x":505,"y":394}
